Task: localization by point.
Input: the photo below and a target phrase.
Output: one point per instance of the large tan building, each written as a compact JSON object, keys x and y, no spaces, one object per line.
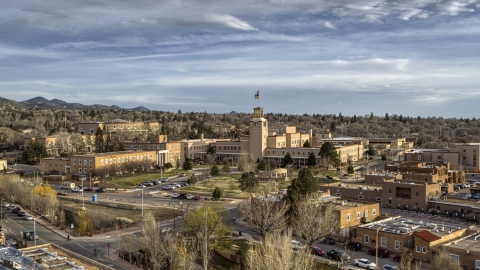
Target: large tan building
{"x":54,"y":148}
{"x":465,"y":251}
{"x":116,"y":125}
{"x":169,"y":151}
{"x":461,"y":156}
{"x":402,"y":235}
{"x":93,"y":163}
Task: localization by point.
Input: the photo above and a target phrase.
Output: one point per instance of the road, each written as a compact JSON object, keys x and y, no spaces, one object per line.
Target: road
{"x":13,"y":226}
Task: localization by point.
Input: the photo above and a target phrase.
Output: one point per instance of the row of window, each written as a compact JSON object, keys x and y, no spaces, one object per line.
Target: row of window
{"x":84,"y":170}
{"x":383,"y":241}
{"x":229,"y":148}
{"x":365,"y":213}
{"x":80,"y":162}
{"x":125,"y":159}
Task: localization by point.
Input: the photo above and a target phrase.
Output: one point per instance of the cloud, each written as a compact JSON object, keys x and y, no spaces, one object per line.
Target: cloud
{"x":232,"y":22}
{"x":329,"y":25}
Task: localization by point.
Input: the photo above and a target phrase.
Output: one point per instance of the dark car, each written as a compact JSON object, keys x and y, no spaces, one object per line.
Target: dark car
{"x":338,"y":255}
{"x":356,"y":246}
{"x":89,"y":189}
{"x":316,"y":251}
{"x":16,"y":209}
{"x":11,"y":207}
{"x":398,"y":258}
{"x":196,"y":198}
{"x":328,"y":241}
{"x":182,"y":196}
{"x":4,"y":216}
{"x":29,"y":235}
{"x":21,"y":213}
{"x":156,"y":182}
{"x":382,"y":252}
{"x":102,"y":189}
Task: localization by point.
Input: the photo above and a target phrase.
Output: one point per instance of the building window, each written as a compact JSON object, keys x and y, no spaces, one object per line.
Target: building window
{"x":419,"y":157}
{"x":374,"y":212}
{"x":378,"y":199}
{"x":416,"y":194}
{"x":80,"y":170}
{"x":358,"y":214}
{"x":390,"y":190}
{"x":90,"y":162}
{"x":418,"y":249}
{"x":477,"y":264}
{"x":360,"y":197}
{"x":424,"y":250}
{"x":85,"y":170}
{"x":383,"y":241}
{"x":397,"y":244}
{"x":85,"y":162}
{"x":115,"y":160}
{"x":366,"y":213}
{"x":410,"y":243}
{"x":101,"y":161}
{"x":348,"y":217}
{"x":74,"y":162}
{"x":455,"y":258}
{"x":439,"y":157}
{"x":365,"y":239}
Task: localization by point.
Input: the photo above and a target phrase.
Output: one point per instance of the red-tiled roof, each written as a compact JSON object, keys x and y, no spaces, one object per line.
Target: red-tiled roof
{"x":427,"y":236}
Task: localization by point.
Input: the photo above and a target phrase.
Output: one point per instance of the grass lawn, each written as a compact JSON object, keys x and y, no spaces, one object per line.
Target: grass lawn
{"x":135,"y":215}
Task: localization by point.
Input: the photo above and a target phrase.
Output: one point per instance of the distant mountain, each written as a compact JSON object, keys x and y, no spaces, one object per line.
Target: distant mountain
{"x":41,"y":102}
{"x":233,"y":112}
{"x":8,"y":103}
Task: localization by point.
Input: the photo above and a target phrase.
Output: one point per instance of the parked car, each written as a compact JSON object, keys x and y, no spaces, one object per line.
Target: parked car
{"x":89,"y":189}
{"x":382,"y":252}
{"x":147,"y":183}
{"x":316,"y":251}
{"x":364,"y":263}
{"x":29,"y":235}
{"x":28,"y":217}
{"x":140,"y":186}
{"x":398,"y":258}
{"x":11,"y":207}
{"x":101,"y":190}
{"x":189,"y":196}
{"x":4,"y":216}
{"x":177,"y":185}
{"x":182,"y":175}
{"x":182,"y":196}
{"x":297,"y":244}
{"x":16,"y":209}
{"x":389,"y":267}
{"x":21,"y":213}
{"x":356,"y":246}
{"x":184,"y":184}
{"x":163,"y":179}
{"x":76,"y":189}
{"x":196,"y":198}
{"x":338,"y":255}
{"x":166,"y":229}
{"x":175,"y":195}
{"x":156,"y":182}
{"x":476,"y":196}
{"x":328,"y":241}
{"x":5,"y":204}
{"x":167,"y":187}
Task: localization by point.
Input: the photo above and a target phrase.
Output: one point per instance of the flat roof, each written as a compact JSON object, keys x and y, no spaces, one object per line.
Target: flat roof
{"x":402,"y":225}
{"x":361,"y":186}
{"x":470,"y":242}
{"x":112,"y":153}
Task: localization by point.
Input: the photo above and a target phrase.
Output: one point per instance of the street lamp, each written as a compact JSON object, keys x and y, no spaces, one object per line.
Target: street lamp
{"x":34,"y":229}
{"x":142,"y":199}
{"x":376,"y":245}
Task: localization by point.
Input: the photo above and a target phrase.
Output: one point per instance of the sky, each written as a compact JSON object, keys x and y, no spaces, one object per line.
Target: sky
{"x":409,"y":57}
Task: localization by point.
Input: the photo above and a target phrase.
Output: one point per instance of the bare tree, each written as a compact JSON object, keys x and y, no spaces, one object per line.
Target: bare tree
{"x":277,"y":253}
{"x":159,"y":248}
{"x":246,"y":163}
{"x":265,"y":214}
{"x":313,"y":219}
{"x":407,"y":263}
{"x":442,"y":260}
{"x":210,"y":159}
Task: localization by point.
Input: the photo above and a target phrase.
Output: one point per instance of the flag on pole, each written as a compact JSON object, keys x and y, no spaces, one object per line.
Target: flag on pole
{"x":257,"y":95}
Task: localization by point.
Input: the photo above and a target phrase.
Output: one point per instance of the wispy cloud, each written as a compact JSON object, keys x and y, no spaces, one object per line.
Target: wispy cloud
{"x":329,"y":25}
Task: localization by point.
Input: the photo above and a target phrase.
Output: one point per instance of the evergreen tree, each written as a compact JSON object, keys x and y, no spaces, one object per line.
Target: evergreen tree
{"x":34,"y":152}
{"x":312,"y":159}
{"x":287,"y":160}
{"x":328,"y":152}
{"x":249,"y":182}
{"x":214,"y":171}
{"x":226,"y":169}
{"x":306,"y":144}
{"x":350,"y":169}
{"x":99,"y":141}
{"x":304,"y":185}
{"x":262,"y":166}
{"x":192,"y":180}
{"x":217,"y":194}
{"x":187,"y":165}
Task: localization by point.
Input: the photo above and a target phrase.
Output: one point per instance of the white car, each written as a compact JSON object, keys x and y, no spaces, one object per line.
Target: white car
{"x":297,"y":244}
{"x":140,"y":186}
{"x":76,"y":189}
{"x":166,"y":229}
{"x":389,"y":267}
{"x":175,"y":195}
{"x":189,"y":196}
{"x":167,"y":187}
{"x":28,"y":217}
{"x":364,"y":263}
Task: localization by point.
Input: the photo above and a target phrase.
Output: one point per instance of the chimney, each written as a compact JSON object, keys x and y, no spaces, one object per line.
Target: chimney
{"x":201,"y":137}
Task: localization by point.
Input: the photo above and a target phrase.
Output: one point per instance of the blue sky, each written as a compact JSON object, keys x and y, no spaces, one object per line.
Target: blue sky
{"x":411,"y":57}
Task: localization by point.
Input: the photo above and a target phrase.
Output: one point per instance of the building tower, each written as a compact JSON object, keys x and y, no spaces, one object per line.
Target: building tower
{"x":258,"y":134}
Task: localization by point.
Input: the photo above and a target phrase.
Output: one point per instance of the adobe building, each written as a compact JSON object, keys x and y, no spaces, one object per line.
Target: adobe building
{"x":434,"y":172}
{"x":167,"y":151}
{"x":351,"y":214}
{"x":92,"y":163}
{"x":402,"y":235}
{"x":462,"y":156}
{"x":116,"y":125}
{"x":465,"y":251}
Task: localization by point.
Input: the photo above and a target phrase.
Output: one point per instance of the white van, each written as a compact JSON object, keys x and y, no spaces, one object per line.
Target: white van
{"x":68,"y":185}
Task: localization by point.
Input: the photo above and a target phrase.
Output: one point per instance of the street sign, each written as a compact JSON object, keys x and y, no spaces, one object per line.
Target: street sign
{"x":108,"y":245}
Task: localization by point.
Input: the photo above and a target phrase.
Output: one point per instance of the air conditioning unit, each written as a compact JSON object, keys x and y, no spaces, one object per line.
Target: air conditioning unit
{"x":366,"y":220}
